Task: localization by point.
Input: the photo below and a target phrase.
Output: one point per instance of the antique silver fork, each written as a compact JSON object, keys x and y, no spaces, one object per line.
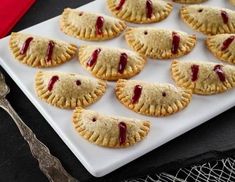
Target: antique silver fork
{"x":48,"y":163}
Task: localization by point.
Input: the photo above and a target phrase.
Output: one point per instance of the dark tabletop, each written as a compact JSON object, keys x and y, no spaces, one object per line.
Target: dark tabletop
{"x":17,"y":164}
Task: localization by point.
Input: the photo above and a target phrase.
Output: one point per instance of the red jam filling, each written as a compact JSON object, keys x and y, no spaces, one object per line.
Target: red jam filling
{"x":121,"y":3}
{"x":92,"y":60}
{"x":78,"y":82}
{"x":227,"y":43}
{"x":26,"y":45}
{"x":50,"y":49}
{"x":99,"y":25}
{"x":163,"y":94}
{"x":52,"y":82}
{"x":122,"y":132}
{"x":224,"y":16}
{"x":137,"y":93}
{"x":122,"y":62}
{"x":200,"y":10}
{"x":195,"y":70}
{"x":175,"y":43}
{"x":219,"y":71}
{"x":149,"y":8}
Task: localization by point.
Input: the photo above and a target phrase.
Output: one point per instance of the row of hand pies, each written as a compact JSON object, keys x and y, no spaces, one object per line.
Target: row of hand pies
{"x":93,"y":26}
{"x":109,"y":63}
{"x":66,"y":90}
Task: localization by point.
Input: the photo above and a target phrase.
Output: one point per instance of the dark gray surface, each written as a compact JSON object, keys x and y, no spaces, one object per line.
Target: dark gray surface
{"x":17,"y":164}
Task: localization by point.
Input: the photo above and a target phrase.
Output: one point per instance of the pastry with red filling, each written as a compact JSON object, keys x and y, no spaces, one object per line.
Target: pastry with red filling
{"x":153,"y":99}
{"x":109,"y":131}
{"x":222,"y":46}
{"x":38,"y":51}
{"x":204,"y":78}
{"x":90,"y":26}
{"x":110,"y":63}
{"x":160,"y":43}
{"x":68,"y":91}
{"x":208,"y":20}
{"x":140,"y":11}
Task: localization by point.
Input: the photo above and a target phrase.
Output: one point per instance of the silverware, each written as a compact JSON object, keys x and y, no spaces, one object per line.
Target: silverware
{"x":48,"y":163}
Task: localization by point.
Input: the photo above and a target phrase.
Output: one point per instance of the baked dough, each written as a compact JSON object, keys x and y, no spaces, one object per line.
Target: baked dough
{"x":232,"y":2}
{"x":160,"y":43}
{"x":37,"y":51}
{"x":110,"y":63}
{"x":66,"y":90}
{"x":189,"y":1}
{"x":204,"y":78}
{"x":222,"y":46}
{"x":109,"y":131}
{"x":90,"y":26}
{"x":154,"y":99}
{"x":208,"y":20}
{"x":140,"y":11}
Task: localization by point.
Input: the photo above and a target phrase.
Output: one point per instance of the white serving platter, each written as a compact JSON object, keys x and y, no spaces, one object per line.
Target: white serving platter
{"x":97,"y":160}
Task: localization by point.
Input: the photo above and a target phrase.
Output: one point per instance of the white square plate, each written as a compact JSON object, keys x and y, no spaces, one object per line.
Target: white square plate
{"x":98,"y":160}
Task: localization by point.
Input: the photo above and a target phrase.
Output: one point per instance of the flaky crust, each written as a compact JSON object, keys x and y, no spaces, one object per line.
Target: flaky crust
{"x":208,"y":20}
{"x":214,"y":44}
{"x":208,"y":82}
{"x":107,"y":64}
{"x":152,"y":102}
{"x":157,"y":43}
{"x":135,"y":11}
{"x":82,"y":25}
{"x":232,"y":2}
{"x":189,"y":1}
{"x":103,"y":130}
{"x":66,"y":93}
{"x":37,"y":50}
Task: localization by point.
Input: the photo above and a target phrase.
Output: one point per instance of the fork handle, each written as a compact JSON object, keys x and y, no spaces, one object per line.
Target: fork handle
{"x":48,"y":163}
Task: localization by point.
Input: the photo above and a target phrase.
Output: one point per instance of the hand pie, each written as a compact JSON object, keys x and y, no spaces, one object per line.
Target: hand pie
{"x":90,"y":26}
{"x":65,"y":90}
{"x":222,"y":46}
{"x":155,"y":99}
{"x":140,"y":11}
{"x":160,"y":43}
{"x":39,"y":51}
{"x":203,"y":78}
{"x":109,"y":131}
{"x":189,"y":1}
{"x":209,"y":20}
{"x":109,"y":63}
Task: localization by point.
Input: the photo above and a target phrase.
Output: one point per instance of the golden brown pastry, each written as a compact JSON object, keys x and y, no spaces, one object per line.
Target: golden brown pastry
{"x":90,"y":26}
{"x":154,"y":99}
{"x":203,"y":78}
{"x":189,"y":1}
{"x":37,"y":51}
{"x":222,"y":46}
{"x":232,"y":2}
{"x":160,"y":43}
{"x":140,"y":11}
{"x":66,"y":90}
{"x":109,"y":131}
{"x":110,"y":63}
{"x":208,"y":20}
